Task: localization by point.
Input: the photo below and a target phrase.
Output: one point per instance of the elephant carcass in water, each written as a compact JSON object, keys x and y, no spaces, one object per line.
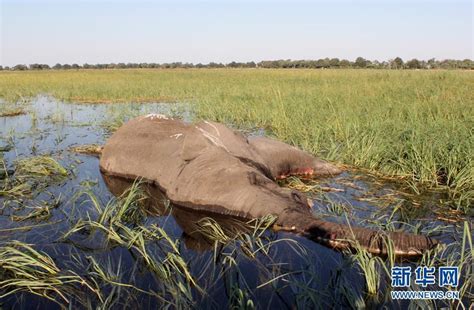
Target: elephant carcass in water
{"x":209,"y":167}
{"x":190,"y":221}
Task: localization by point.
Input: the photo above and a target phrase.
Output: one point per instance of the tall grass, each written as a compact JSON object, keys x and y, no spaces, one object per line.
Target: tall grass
{"x":22,"y":268}
{"x":415,"y":125}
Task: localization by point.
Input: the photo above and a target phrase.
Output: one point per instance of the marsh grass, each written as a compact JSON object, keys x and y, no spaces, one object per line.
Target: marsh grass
{"x":23,"y":269}
{"x":89,"y":149}
{"x":11,"y":109}
{"x":414,"y":126}
{"x":39,"y":166}
{"x":39,"y":211}
{"x":32,"y":174}
{"x":120,"y":223}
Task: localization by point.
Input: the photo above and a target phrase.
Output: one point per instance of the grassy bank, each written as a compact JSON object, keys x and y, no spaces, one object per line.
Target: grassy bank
{"x":415,"y":125}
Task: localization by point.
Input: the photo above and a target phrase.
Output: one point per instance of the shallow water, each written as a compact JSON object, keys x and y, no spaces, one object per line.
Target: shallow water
{"x":52,"y":128}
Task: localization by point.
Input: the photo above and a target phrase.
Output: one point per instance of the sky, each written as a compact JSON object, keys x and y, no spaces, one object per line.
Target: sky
{"x":106,"y":31}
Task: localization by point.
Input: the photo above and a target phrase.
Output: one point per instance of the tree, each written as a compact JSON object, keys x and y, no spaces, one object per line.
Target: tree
{"x":466,"y":64}
{"x":57,"y":66}
{"x":432,"y":64}
{"x":397,"y":63}
{"x":251,"y":64}
{"x":413,"y":64}
{"x":360,"y":62}
{"x":345,"y":63}
{"x":20,"y":67}
{"x":334,"y":62}
{"x":233,"y":65}
{"x":34,"y":66}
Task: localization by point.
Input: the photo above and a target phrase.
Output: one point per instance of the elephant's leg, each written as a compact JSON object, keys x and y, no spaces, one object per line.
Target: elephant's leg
{"x":284,"y":160}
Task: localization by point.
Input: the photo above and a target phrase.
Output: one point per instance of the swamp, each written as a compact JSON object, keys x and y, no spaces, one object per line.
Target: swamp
{"x":70,"y":238}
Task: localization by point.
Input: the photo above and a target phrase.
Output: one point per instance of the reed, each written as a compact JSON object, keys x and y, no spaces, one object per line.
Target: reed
{"x":415,"y":126}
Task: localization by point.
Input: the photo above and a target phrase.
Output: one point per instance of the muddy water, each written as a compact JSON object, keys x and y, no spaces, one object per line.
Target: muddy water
{"x":53,"y":128}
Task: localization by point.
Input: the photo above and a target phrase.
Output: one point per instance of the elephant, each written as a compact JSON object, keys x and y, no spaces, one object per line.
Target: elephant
{"x":208,"y":167}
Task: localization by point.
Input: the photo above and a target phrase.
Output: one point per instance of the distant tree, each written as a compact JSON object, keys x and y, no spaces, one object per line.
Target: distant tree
{"x":34,"y":67}
{"x":20,"y":68}
{"x":466,"y":64}
{"x":375,"y":64}
{"x":397,"y":63}
{"x":251,"y":64}
{"x":232,"y":65}
{"x":360,"y":62}
{"x":215,"y":65}
{"x":423,"y":64}
{"x":38,"y":67}
{"x":1,"y":68}
{"x":432,"y":64}
{"x":369,"y":64}
{"x":334,"y":62}
{"x":413,"y":64}
{"x":345,"y":63}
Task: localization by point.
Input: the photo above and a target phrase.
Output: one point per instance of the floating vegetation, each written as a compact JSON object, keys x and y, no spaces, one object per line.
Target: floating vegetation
{"x":33,"y":174}
{"x":90,"y":149}
{"x":23,"y":269}
{"x":12,"y":112}
{"x":39,"y":166}
{"x":40,"y":211}
{"x":11,"y":109}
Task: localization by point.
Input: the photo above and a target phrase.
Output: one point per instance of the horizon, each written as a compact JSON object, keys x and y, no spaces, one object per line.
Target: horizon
{"x":50,"y":32}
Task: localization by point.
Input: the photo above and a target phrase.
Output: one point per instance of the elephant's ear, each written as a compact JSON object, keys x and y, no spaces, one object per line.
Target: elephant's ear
{"x":194,"y":145}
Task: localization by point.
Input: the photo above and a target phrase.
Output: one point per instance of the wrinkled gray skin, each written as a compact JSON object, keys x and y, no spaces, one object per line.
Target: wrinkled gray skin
{"x":156,"y":204}
{"x":209,"y":167}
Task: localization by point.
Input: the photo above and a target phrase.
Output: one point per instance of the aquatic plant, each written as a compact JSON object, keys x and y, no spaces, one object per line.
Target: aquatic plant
{"x":413,"y":126}
{"x":407,"y":131}
{"x":39,"y":166}
{"x":22,"y":268}
{"x":32,"y":174}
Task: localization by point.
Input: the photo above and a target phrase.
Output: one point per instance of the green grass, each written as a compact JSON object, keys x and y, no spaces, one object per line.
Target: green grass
{"x":32,"y":175}
{"x":416,"y":126}
{"x":94,"y":280}
{"x":22,"y":268}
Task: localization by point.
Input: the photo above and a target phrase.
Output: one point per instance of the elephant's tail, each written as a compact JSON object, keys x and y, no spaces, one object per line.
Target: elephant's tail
{"x":341,"y":237}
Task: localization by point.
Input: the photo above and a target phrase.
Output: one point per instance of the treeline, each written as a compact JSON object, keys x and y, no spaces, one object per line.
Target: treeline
{"x":325,"y":63}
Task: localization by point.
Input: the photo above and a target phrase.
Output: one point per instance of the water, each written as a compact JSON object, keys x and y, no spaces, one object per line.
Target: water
{"x":52,"y":128}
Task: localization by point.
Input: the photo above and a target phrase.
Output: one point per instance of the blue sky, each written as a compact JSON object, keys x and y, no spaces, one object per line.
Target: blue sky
{"x":223,"y":31}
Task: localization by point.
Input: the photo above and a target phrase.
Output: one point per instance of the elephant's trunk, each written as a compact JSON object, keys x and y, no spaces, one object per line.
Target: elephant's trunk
{"x":342,"y":237}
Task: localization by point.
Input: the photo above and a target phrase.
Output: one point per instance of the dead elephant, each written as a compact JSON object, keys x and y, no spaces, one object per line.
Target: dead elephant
{"x":209,"y":167}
